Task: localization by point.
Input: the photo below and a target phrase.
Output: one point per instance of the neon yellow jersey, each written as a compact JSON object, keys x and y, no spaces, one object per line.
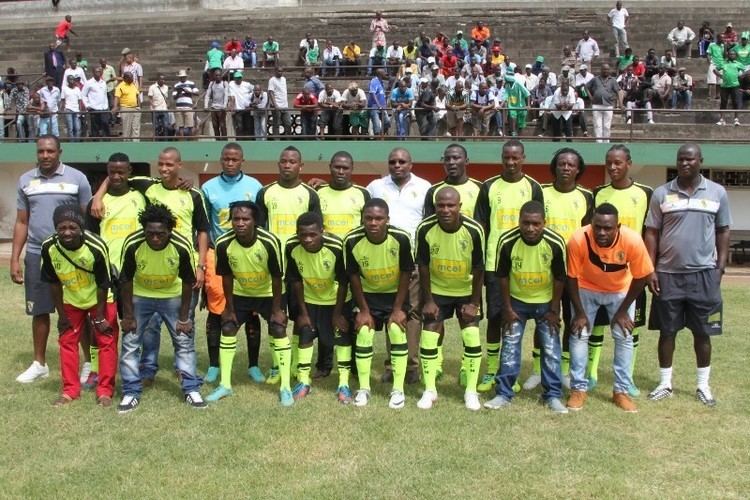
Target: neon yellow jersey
{"x":187,"y":205}
{"x":81,"y":278}
{"x":531,"y":269}
{"x":280,"y":207}
{"x":320,"y":272}
{"x":631,"y":203}
{"x":157,"y":274}
{"x":342,"y":208}
{"x":566,"y":212}
{"x":469,"y":192}
{"x":379,"y":265}
{"x":253,"y":267}
{"x":451,"y":257}
{"x":498,"y":207}
{"x":119,"y":221}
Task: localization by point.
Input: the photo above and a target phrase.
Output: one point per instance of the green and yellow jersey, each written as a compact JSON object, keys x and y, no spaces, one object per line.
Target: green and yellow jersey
{"x":119,"y":221}
{"x":498,"y":207}
{"x":81,"y":272}
{"x":157,"y":274}
{"x":566,"y":212}
{"x":631,"y":203}
{"x":379,"y":265}
{"x":280,"y":207}
{"x":252,"y":267}
{"x":531,"y":269}
{"x":469,"y":192}
{"x":321,"y":272}
{"x":342,"y":208}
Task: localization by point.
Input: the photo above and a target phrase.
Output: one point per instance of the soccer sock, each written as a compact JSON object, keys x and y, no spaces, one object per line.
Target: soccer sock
{"x":702,"y":375}
{"x":399,"y":355}
{"x":94,"y":352}
{"x":213,"y":335}
{"x":274,"y":355}
{"x":472,"y":356}
{"x":363,"y":354}
{"x":283,"y":350}
{"x":636,"y":341}
{"x":227,"y":350}
{"x":295,"y":355}
{"x":596,"y":340}
{"x":252,"y":334}
{"x":665,"y":377}
{"x":429,"y":357}
{"x":493,"y":357}
{"x":344,"y":361}
{"x":304,"y":359}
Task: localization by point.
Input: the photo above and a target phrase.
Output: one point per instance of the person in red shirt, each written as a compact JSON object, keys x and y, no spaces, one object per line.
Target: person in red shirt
{"x":307,"y":103}
{"x":448,"y":63}
{"x":61,"y":32}
{"x":441,"y":44}
{"x":639,"y":68}
{"x":231,"y":45}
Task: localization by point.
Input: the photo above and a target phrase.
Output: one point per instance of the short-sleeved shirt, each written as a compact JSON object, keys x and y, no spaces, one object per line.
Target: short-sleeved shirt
{"x":618,"y":17}
{"x":716,"y":53}
{"x":82,"y":280}
{"x":531,"y":269}
{"x":72,"y":97}
{"x":566,"y":212}
{"x":631,"y":203}
{"x":376,"y":94}
{"x":687,"y":225}
{"x":397,"y":96}
{"x":128,"y":94}
{"x":120,"y":221}
{"x":469,"y":192}
{"x":498,"y":206}
{"x":730,"y":76}
{"x":451,"y":257}
{"x":609,"y":269}
{"x":379,"y":265}
{"x":405,"y":203}
{"x":321,"y":272}
{"x":603,"y":91}
{"x":280,"y":207}
{"x":39,"y":196}
{"x":63,"y":27}
{"x":157,"y":274}
{"x":252,"y":267}
{"x":342,"y":208}
{"x":214,"y":57}
{"x":222,"y":190}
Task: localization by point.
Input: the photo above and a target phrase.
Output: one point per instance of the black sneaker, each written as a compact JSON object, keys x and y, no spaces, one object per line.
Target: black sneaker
{"x":705,"y":397}
{"x":195,"y":400}
{"x":127,"y":404}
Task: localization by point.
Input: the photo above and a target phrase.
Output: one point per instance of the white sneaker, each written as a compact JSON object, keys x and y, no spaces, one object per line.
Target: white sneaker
{"x":362,"y":397}
{"x":85,"y":372}
{"x":33,"y":372}
{"x":397,"y":400}
{"x":532,"y":382}
{"x":736,"y":122}
{"x":471,"y":400}
{"x":627,"y":122}
{"x":721,"y":122}
{"x":566,"y":381}
{"x":427,"y":400}
{"x":651,"y":122}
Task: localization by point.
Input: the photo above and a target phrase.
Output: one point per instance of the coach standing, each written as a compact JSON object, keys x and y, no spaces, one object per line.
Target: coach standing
{"x":687,"y":236}
{"x":40,"y":190}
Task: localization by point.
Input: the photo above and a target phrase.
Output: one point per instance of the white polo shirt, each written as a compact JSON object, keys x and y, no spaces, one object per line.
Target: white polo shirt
{"x":405,"y":204}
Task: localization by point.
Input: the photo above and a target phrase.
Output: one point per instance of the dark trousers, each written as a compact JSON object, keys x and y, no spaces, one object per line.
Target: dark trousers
{"x":100,"y":123}
{"x":562,"y":126}
{"x":426,"y":122}
{"x":219,"y":121}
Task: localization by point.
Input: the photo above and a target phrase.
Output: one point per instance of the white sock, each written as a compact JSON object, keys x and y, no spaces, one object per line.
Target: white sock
{"x":702,"y":376}
{"x":666,"y":377}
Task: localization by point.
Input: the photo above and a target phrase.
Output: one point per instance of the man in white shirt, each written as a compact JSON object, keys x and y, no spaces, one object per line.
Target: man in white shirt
{"x":305,"y":45}
{"x":331,"y":58}
{"x":97,"y":103}
{"x":681,"y":38}
{"x":583,"y":77}
{"x":279,"y":102}
{"x":618,"y":19}
{"x":233,"y":63}
{"x":157,"y":95}
{"x":394,"y":57}
{"x":531,"y":81}
{"x":50,"y":95}
{"x":330,"y":115}
{"x":587,"y":48}
{"x":74,"y":70}
{"x":661,"y":84}
{"x":682,"y":89}
{"x":239,"y":100}
{"x":354,"y":101}
{"x":71,"y":101}
{"x":563,"y":101}
{"x":404,"y":193}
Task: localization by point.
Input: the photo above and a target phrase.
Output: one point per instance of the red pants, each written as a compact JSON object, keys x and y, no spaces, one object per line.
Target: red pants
{"x":68,"y":342}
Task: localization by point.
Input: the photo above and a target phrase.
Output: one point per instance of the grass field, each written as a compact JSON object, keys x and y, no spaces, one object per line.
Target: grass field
{"x":249,"y":447}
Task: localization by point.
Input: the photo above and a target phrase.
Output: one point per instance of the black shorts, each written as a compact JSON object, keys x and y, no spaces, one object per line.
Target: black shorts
{"x":691,"y":300}
{"x":451,"y":306}
{"x":492,"y":295}
{"x":245,"y":307}
{"x":381,"y":307}
{"x":639,"y":319}
{"x":38,"y":295}
{"x":321,"y":316}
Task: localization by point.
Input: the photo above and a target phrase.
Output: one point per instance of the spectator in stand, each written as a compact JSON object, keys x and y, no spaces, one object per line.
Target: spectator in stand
{"x":441,"y":103}
{"x":270,"y":52}
{"x":668,"y":60}
{"x":232,"y":63}
{"x":448,"y":63}
{"x":682,"y":89}
{"x":661,"y":85}
{"x":214,"y":59}
{"x":604,"y":93}
{"x":95,"y":97}
{"x":441,"y":44}
{"x":424,"y":109}
{"x":379,"y":27}
{"x":50,"y":95}
{"x":63,"y":29}
{"x":482,"y":109}
{"x":475,"y":78}
{"x":394,"y":57}
{"x":279,"y":102}
{"x":239,"y":102}
{"x":71,"y":102}
{"x":531,"y":81}
{"x":329,"y":101}
{"x":4,"y":104}
{"x":258,"y":106}
{"x":54,"y":63}
{"x":517,"y":98}
{"x":109,"y":75}
{"x":307,"y":104}
{"x":331,"y":58}
{"x":549,"y":75}
{"x":401,"y":101}
{"x":639,"y":69}
{"x":351,"y":57}
{"x":460,"y":40}
{"x":412,"y":81}
{"x":75,"y":71}
{"x":427,"y":53}
{"x":563,"y":101}
{"x":248,"y":52}
{"x":215,"y":101}
{"x":625,"y":60}
{"x":538,"y":98}
{"x":376,"y":102}
{"x":619,"y":19}
{"x":569,"y":58}
{"x":715,"y":53}
{"x":634,"y":95}
{"x":183,"y":93}
{"x":730,"y":72}
{"x":377,"y":59}
{"x":587,"y":48}
{"x":652,"y":64}
{"x":743,"y":48}
{"x":681,"y":38}
{"x":583,"y":77}
{"x":436,"y":76}
{"x":157,"y":96}
{"x":309,"y":51}
{"x":82,"y":63}
{"x":411,"y":52}
{"x":19,"y":102}
{"x":729,"y":35}
{"x":457,"y":105}
{"x":496,"y":59}
{"x":232,"y":44}
{"x":312,"y":82}
{"x":705,"y":37}
{"x":354,"y":102}
{"x":35,"y":111}
{"x":566,"y":74}
{"x":128,"y":100}
{"x":480,"y":34}
{"x":537,"y":67}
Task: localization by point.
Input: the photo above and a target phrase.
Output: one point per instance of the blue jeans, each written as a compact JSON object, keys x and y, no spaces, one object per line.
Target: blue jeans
{"x":259,"y":123}
{"x":685,"y":96}
{"x":403,"y":120}
{"x":21,"y":121}
{"x":73,"y":125}
{"x":132,"y":343}
{"x":48,"y":125}
{"x":251,"y":58}
{"x":380,"y":121}
{"x":510,"y":355}
{"x":579,"y":346}
{"x":331,"y":63}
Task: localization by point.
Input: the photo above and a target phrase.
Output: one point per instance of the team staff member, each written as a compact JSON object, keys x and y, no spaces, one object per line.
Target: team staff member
{"x":76,"y":265}
{"x":379,"y":263}
{"x":531,"y":274}
{"x":450,"y":258}
{"x":455,"y":161}
{"x":317,"y":282}
{"x":608,"y":266}
{"x":498,"y":205}
{"x":250,"y":261}
{"x":687,"y":235}
{"x":232,"y":184}
{"x":631,"y":200}
{"x":157,"y":277}
{"x":39,"y":191}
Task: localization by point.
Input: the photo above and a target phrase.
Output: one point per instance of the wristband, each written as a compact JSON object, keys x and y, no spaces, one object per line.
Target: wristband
{"x":186,"y":322}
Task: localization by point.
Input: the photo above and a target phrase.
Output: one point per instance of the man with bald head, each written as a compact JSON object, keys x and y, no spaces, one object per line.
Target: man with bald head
{"x":687,"y":237}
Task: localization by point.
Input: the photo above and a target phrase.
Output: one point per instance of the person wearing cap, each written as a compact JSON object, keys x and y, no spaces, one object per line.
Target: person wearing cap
{"x":743,"y":48}
{"x":681,"y":37}
{"x":619,"y":19}
{"x":329,"y":101}
{"x":214,"y":58}
{"x":354,"y":102}
{"x":75,"y":265}
{"x":567,"y":74}
{"x":97,"y":104}
{"x":157,"y":95}
{"x":435,"y":75}
{"x":128,"y":99}
{"x":682,"y":89}
{"x":74,"y":70}
{"x":182,"y":93}
{"x":496,"y":58}
{"x":587,"y":48}
{"x":538,"y":65}
{"x":331,"y":58}
{"x":270,"y":50}
{"x":250,"y":58}
{"x":50,"y":95}
{"x":351,"y":57}
{"x":530,"y":80}
{"x":424,"y":109}
{"x":410,"y":71}
{"x":426,"y":65}
{"x":239,"y":100}
{"x":130,"y":65}
{"x":459,"y":39}
{"x":71,"y":102}
{"x":729,"y":35}
{"x":516,"y":101}
{"x":233,"y":62}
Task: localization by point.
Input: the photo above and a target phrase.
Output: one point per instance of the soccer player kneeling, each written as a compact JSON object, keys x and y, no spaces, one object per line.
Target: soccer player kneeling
{"x":450,"y":256}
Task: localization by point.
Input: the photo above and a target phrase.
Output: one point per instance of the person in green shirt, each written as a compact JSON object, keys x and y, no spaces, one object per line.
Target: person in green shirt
{"x":455,"y":161}
{"x":450,"y":256}
{"x":715,"y":52}
{"x":743,"y":48}
{"x":270,"y":52}
{"x":730,"y":71}
{"x":517,"y":96}
{"x":625,"y":60}
{"x":214,"y":57}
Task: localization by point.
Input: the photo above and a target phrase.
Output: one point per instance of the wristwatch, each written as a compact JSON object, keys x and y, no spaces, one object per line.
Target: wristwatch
{"x":203,"y":267}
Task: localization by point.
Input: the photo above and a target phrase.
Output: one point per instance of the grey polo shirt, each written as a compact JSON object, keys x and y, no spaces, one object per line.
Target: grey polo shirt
{"x":603,"y":92}
{"x":687,"y":225}
{"x":39,"y":196}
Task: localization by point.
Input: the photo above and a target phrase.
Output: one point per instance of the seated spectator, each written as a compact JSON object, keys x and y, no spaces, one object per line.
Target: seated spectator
{"x":351,"y":55}
{"x":436,"y":76}
{"x":567,"y":74}
{"x":427,"y":51}
{"x":411,"y":79}
{"x":460,"y":40}
{"x":668,"y":60}
{"x":480,"y":35}
{"x":448,"y":63}
{"x":569,"y":58}
{"x":563,"y":101}
{"x":625,"y":60}
{"x":537,"y":97}
{"x":496,"y":58}
{"x":682,"y":89}
{"x":639,"y":68}
{"x":459,"y":52}
{"x":497,"y":91}
{"x":475,"y":78}
{"x":587,"y":48}
{"x":550,"y":76}
{"x":307,"y":103}
{"x":410,"y":66}
{"x":530,"y":80}
{"x":441,"y":110}
{"x":538,"y":65}
{"x":377,"y":59}
{"x":354,"y":102}
{"x":578,"y":116}
{"x":258,"y":106}
{"x":331,"y":58}
{"x":309,"y":52}
{"x":681,"y":38}
{"x":661,"y":84}
{"x":232,"y":63}
{"x":652,"y":64}
{"x":729,"y":35}
{"x":394,"y":57}
{"x":456,"y":106}
{"x":401,"y":102}
{"x":482,"y":109}
{"x":634,"y":95}
{"x":424,"y":109}
{"x":411,"y":51}
{"x":248,"y":52}
{"x":329,"y":101}
{"x":232,"y":44}
{"x":705,"y":38}
{"x":426,"y":70}
{"x":270,"y":52}
{"x":441,"y":44}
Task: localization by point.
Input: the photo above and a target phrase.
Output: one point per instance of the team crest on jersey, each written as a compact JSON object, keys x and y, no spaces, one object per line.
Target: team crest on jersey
{"x":523,"y":193}
{"x":498,"y":199}
{"x":299,"y":200}
{"x":182,"y":202}
{"x":393,"y":251}
{"x":301,"y":267}
{"x":365,"y":262}
{"x":324,"y":205}
{"x":620,"y":256}
{"x":516,"y":263}
{"x":258,"y":256}
{"x":232,"y":261}
{"x":434,"y":249}
{"x":576,"y":204}
{"x":327,"y":265}
{"x":172,"y":261}
{"x":546,"y":257}
{"x":634,"y":199}
{"x":274,"y":205}
{"x":464,"y":244}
